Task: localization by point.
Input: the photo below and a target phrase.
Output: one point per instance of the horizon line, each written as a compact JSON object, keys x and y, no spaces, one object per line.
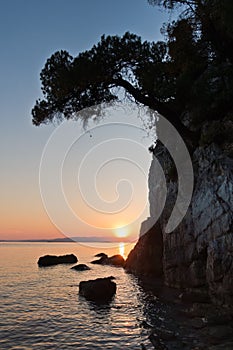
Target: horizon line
{"x":93,"y":239}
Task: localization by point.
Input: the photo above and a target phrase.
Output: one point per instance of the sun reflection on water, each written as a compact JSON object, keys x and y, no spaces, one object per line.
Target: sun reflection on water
{"x":122,"y":249}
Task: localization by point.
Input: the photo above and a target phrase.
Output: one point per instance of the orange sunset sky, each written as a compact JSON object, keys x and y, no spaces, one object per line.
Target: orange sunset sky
{"x":80,"y":183}
{"x":26,"y":43}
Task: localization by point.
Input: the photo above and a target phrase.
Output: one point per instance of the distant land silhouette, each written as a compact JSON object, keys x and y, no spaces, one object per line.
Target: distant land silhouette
{"x":74,"y":239}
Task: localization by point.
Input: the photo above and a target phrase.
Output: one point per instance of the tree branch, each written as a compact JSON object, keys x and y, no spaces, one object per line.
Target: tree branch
{"x":156,"y":105}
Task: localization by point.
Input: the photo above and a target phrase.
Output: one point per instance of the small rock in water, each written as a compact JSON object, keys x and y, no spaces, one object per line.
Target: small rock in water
{"x":115,"y":260}
{"x":80,"y":267}
{"x":101,"y":255}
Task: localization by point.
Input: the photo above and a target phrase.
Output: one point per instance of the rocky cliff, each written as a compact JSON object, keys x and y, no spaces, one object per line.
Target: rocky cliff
{"x":198,"y":255}
{"x":142,"y":259}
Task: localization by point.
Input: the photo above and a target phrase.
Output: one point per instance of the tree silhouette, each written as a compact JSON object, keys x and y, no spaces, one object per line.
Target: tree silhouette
{"x":188,"y":73}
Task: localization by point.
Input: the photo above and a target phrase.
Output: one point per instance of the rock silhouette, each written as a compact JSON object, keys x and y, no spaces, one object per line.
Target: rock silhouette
{"x":49,"y":260}
{"x":99,"y":290}
{"x":115,"y":260}
{"x":80,"y":267}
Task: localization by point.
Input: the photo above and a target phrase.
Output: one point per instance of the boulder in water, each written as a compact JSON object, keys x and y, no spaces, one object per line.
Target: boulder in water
{"x":49,"y":260}
{"x":116,"y":260}
{"x":99,"y":290}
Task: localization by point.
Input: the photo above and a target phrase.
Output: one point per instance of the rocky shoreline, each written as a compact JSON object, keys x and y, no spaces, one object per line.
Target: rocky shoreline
{"x":179,"y":321}
{"x":186,"y":325}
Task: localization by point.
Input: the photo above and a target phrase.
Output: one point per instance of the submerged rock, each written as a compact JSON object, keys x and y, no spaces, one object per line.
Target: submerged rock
{"x":80,"y":267}
{"x":100,"y":289}
{"x":49,"y":260}
{"x":115,"y":260}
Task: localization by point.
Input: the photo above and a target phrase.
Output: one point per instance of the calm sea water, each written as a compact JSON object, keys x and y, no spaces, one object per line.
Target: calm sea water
{"x":41,"y":307}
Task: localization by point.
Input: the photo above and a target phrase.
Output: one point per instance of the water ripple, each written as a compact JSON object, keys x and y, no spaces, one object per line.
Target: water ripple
{"x":41,"y":308}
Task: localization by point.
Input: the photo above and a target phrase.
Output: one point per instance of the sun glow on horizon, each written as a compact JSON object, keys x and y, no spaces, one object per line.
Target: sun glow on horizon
{"x":121,"y":232}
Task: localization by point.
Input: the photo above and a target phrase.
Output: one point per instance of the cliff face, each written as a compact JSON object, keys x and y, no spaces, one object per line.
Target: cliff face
{"x":198,"y":254}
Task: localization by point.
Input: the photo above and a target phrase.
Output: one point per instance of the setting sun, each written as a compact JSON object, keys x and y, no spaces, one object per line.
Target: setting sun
{"x":121,"y":232}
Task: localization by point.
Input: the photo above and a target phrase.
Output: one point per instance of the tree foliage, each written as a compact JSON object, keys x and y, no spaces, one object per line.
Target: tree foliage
{"x":190,"y":72}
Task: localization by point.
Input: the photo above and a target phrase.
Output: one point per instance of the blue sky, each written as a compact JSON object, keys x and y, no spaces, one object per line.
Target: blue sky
{"x":30,"y":31}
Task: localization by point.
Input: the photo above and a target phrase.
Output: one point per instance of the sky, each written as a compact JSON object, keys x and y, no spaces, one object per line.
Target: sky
{"x":30,"y":31}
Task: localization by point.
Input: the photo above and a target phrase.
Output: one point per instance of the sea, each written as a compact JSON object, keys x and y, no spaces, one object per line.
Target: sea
{"x":41,"y":307}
